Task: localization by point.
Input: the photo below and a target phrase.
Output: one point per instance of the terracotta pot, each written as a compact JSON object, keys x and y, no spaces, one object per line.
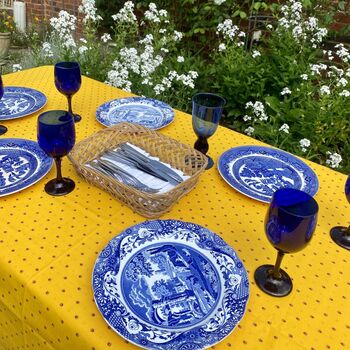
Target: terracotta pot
{"x":5,"y":39}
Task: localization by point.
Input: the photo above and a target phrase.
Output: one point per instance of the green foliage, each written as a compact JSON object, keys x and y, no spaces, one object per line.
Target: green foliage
{"x":268,"y":78}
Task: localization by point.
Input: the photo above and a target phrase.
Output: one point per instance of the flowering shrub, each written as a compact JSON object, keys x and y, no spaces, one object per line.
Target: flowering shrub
{"x":283,"y":95}
{"x":280,"y":84}
{"x":7,"y":24}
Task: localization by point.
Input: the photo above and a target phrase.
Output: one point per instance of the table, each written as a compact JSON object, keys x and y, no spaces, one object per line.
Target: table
{"x":49,"y":245}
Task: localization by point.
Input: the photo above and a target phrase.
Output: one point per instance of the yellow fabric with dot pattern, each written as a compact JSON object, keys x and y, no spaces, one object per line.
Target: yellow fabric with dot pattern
{"x":49,"y":246}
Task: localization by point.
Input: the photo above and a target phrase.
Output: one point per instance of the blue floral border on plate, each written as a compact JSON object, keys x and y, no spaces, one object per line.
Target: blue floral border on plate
{"x":38,"y":100}
{"x":118,"y":262}
{"x":102,"y":112}
{"x":260,"y":181}
{"x":23,"y":163}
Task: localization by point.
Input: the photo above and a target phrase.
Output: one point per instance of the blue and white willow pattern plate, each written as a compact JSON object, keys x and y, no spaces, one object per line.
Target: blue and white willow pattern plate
{"x":19,"y":102}
{"x":150,"y":113}
{"x":22,"y":163}
{"x":259,"y":171}
{"x":170,"y":285}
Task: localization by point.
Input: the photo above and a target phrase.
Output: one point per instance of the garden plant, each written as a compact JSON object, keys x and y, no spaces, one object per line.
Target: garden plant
{"x":284,"y":84}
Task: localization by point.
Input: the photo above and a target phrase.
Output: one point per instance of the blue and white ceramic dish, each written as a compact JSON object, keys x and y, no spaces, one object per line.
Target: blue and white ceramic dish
{"x":170,"y":285}
{"x":150,"y":113}
{"x":259,"y":171}
{"x":19,"y":102}
{"x":22,"y":163}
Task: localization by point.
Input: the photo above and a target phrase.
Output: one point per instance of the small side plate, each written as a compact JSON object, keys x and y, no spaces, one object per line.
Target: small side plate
{"x":150,"y":113}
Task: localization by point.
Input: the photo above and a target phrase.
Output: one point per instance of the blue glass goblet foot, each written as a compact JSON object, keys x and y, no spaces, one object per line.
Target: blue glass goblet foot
{"x":3,"y":129}
{"x":61,"y":185}
{"x":273,"y":280}
{"x":341,"y":234}
{"x":202,"y":146}
{"x":289,"y":226}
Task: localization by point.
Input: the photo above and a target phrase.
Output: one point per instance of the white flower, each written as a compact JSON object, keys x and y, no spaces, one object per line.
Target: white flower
{"x":286,"y":91}
{"x":83,"y":40}
{"x":126,"y":13}
{"x":342,"y":82}
{"x":180,"y":59}
{"x":88,"y":8}
{"x":106,"y":37}
{"x":63,"y":27}
{"x":230,"y":32}
{"x":304,"y":76}
{"x":177,"y":35}
{"x":334,"y":159}
{"x":256,"y":53}
{"x":247,"y":118}
{"x":258,"y":110}
{"x":249,"y":131}
{"x":47,"y":49}
{"x":304,"y":144}
{"x":222,"y":47}
{"x":148,"y":39}
{"x":82,"y":49}
{"x":16,"y":67}
{"x":219,"y":2}
{"x":345,"y":93}
{"x":153,"y":15}
{"x":324,"y":90}
{"x":284,"y":128}
{"x":343,"y":52}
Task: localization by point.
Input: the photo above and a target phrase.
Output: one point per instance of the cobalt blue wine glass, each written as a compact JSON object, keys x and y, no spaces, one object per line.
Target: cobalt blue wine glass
{"x":206,"y":113}
{"x":68,"y":82}
{"x":289,"y":224}
{"x":341,"y":234}
{"x":3,"y":129}
{"x":56,"y":136}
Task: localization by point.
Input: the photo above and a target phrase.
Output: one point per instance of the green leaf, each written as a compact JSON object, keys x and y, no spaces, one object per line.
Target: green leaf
{"x":273,"y":102}
{"x":341,"y":5}
{"x":257,"y":5}
{"x":242,"y":14}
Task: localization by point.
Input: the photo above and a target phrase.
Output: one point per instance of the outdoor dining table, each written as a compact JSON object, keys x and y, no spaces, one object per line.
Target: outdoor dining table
{"x":49,"y":245}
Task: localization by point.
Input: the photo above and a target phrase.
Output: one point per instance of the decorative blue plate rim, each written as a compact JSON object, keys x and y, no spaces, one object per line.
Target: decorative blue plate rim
{"x":294,"y":165}
{"x":166,"y":111}
{"x":39,"y":98}
{"x":169,"y":315}
{"x":36,"y":172}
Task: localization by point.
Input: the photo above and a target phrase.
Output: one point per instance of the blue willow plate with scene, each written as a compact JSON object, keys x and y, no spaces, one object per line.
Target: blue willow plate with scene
{"x":258,"y":171}
{"x":22,"y":163}
{"x":147,"y":112}
{"x":170,"y":285}
{"x":19,"y":102}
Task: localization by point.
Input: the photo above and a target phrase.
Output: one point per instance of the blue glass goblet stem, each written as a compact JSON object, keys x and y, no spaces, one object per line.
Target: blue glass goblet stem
{"x":206,"y":113}
{"x":56,"y":136}
{"x":3,"y":129}
{"x":341,"y":234}
{"x":289,"y":225}
{"x":68,"y":82}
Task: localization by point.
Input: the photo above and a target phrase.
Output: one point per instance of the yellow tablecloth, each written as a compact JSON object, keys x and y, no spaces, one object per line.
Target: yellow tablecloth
{"x":48,"y":246}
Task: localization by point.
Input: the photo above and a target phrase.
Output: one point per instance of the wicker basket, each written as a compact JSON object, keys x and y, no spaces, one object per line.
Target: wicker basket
{"x":178,"y":155}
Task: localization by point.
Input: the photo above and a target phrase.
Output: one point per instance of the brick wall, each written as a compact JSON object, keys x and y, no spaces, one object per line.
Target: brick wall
{"x":45,"y":9}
